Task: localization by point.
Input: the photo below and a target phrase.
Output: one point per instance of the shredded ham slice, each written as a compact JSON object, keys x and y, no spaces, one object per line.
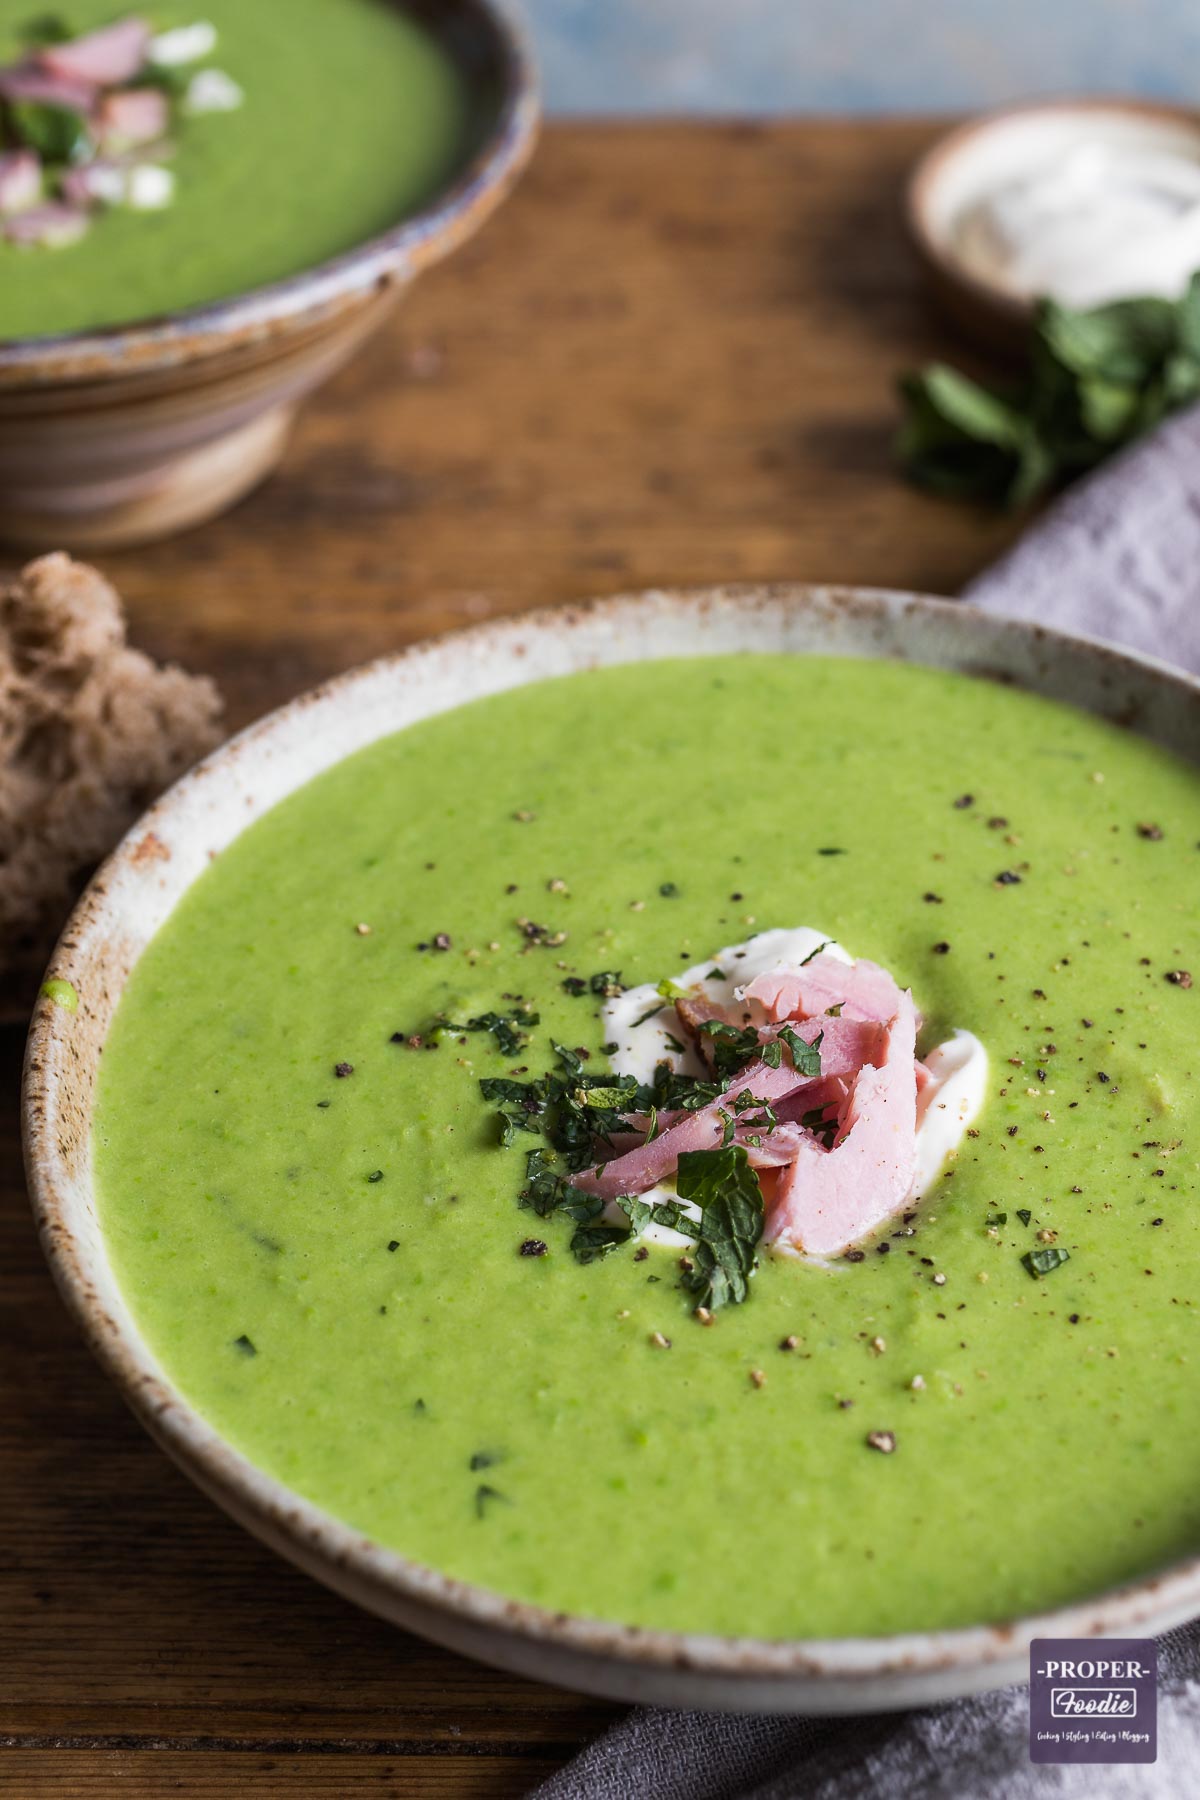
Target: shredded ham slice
{"x":25,"y":81}
{"x":20,"y":181}
{"x":51,"y":224}
{"x":643,"y":1168}
{"x":827,"y":1199}
{"x":863,"y":991}
{"x":105,"y":58}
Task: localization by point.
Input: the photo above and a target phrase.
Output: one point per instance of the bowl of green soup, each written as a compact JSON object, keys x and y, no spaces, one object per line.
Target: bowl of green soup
{"x":657,"y":1143}
{"x":203,"y":211}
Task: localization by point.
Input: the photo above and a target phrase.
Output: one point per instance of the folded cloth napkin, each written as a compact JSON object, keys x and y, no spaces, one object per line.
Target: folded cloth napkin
{"x":1118,"y":557}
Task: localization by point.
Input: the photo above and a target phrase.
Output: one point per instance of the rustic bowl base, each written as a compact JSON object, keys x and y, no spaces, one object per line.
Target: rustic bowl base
{"x":135,"y":508}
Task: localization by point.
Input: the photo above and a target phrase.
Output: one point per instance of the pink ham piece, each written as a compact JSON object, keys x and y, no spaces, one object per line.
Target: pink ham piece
{"x":862,"y":989}
{"x":643,"y":1168}
{"x":24,"y":81}
{"x":51,"y":225}
{"x":103,"y":58}
{"x":774,"y":1149}
{"x":826,"y":1200}
{"x":138,"y":116}
{"x":20,"y":182}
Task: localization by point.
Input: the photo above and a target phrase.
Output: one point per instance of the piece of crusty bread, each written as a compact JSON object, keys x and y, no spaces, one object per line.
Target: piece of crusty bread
{"x":90,"y":732}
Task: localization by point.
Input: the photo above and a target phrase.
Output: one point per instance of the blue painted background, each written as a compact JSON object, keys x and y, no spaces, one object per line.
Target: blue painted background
{"x":764,"y":56}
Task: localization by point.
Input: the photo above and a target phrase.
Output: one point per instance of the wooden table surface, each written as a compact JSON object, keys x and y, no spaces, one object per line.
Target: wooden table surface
{"x":668,"y":360}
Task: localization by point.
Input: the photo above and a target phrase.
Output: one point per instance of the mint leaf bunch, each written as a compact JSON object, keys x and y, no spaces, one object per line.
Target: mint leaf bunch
{"x":1097,"y":380}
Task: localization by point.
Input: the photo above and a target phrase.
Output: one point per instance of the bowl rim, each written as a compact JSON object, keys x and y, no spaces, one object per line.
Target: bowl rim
{"x":385,"y":1580}
{"x":420,"y":238}
{"x":1012,"y":310}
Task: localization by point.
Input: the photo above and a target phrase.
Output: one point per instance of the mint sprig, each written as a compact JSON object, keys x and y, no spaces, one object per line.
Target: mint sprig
{"x":1096,"y":381}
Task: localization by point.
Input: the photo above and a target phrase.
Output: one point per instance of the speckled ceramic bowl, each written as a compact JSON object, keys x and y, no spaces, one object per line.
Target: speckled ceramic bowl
{"x":123,"y":435}
{"x":140,"y":885}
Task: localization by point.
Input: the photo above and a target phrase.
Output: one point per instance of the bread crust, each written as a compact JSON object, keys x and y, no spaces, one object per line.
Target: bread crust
{"x":90,"y":732}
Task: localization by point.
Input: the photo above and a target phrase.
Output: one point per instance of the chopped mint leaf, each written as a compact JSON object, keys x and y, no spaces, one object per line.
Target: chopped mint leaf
{"x":1024,"y":1214}
{"x":806,"y":1058}
{"x":725,"y":1187}
{"x":510,"y":1030}
{"x":1097,"y":379}
{"x":607,"y":983}
{"x":732,"y":1047}
{"x":56,"y":133}
{"x":45,"y":29}
{"x":1043,"y":1262}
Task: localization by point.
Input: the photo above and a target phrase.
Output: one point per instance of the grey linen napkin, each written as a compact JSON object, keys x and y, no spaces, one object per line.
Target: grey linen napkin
{"x":1119,"y":558}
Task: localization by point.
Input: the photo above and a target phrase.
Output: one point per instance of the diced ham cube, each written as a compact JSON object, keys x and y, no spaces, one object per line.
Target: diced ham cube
{"x":52,"y":225}
{"x":20,"y":182}
{"x":137,"y":116}
{"x":104,"y":58}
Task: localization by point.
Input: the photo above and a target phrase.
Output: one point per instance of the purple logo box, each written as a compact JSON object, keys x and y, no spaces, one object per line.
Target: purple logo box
{"x":1093,"y":1700}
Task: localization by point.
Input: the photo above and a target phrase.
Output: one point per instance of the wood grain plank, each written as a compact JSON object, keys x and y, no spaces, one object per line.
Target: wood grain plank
{"x":155,"y":1775}
{"x":668,"y":361}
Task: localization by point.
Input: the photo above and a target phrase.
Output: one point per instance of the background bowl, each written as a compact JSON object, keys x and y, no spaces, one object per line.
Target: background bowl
{"x":971,"y":161}
{"x":126,"y":434}
{"x":140,"y":885}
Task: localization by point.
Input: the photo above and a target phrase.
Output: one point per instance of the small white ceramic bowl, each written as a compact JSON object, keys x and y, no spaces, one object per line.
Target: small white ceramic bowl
{"x":972,"y":161}
{"x":140,"y":885}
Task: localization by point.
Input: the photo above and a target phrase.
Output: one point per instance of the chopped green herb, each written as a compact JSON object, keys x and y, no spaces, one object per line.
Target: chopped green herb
{"x":806,"y":1058}
{"x":575,"y":984}
{"x":486,"y":1459}
{"x":510,"y":1030}
{"x":732,"y":1047}
{"x":668,"y":890}
{"x":1097,"y":380}
{"x":483,"y":1494}
{"x":1042,"y":1262}
{"x":1024,"y":1214}
{"x":725,"y":1187}
{"x":652,"y":1014}
{"x":45,"y":29}
{"x":245,"y":1345}
{"x":670,"y":990}
{"x":823,"y":1129}
{"x":57,"y":134}
{"x":997,"y":1218}
{"x":813,"y":954}
{"x":607,"y":983}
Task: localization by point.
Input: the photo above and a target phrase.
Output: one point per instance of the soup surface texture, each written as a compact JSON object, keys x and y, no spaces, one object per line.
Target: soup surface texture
{"x":328,"y":1264}
{"x":352,"y":116}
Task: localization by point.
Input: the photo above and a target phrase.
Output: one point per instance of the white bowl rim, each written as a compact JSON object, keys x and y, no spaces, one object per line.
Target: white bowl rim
{"x":748,"y":1673}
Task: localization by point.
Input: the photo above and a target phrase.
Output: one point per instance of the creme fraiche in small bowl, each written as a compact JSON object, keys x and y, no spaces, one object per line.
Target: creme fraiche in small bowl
{"x":202,"y":216}
{"x":1083,"y":201}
